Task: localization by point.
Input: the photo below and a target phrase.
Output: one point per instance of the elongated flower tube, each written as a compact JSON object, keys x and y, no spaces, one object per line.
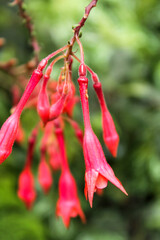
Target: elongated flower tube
{"x":26,"y":189}
{"x":98,"y":171}
{"x":44,"y":173}
{"x":43,"y":105}
{"x":110,"y":134}
{"x":8,"y":134}
{"x":68,"y":204}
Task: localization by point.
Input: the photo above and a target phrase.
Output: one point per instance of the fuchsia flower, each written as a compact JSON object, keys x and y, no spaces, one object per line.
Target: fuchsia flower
{"x":98,"y":171}
{"x":44,"y":173}
{"x":8,"y":134}
{"x":26,"y":190}
{"x":43,"y":105}
{"x":110,"y":134}
{"x":68,"y":204}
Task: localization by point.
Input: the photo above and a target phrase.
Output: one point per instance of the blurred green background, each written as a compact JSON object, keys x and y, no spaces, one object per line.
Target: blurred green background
{"x":121,"y":41}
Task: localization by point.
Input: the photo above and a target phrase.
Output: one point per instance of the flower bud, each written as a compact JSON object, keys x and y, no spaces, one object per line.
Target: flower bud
{"x":26,"y":191}
{"x":110,"y":134}
{"x":8,"y":134}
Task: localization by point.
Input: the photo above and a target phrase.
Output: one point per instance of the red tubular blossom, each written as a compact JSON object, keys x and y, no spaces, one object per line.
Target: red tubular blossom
{"x":26,"y":190}
{"x":43,"y":105}
{"x":98,"y":171}
{"x":8,"y":134}
{"x":68,"y":204}
{"x":110,"y":135}
{"x":44,"y":173}
{"x":9,"y":129}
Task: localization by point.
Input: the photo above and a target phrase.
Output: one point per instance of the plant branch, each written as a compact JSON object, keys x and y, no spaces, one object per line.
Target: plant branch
{"x":30,"y":27}
{"x":80,"y":25}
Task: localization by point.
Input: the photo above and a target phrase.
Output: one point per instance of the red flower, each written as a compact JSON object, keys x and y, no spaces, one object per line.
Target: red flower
{"x":43,"y":105}
{"x":110,"y":134}
{"x":26,"y":191}
{"x":68,"y":204}
{"x":8,"y":134}
{"x":44,"y":174}
{"x":98,"y":171}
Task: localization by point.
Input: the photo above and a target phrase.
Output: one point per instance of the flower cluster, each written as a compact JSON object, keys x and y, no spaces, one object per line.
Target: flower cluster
{"x":55,"y":102}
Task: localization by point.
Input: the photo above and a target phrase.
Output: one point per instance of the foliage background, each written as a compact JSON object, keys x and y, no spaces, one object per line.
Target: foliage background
{"x":121,"y":41}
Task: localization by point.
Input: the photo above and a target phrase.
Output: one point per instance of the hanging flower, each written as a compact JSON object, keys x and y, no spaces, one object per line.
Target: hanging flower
{"x":26,"y":190}
{"x":68,"y":204}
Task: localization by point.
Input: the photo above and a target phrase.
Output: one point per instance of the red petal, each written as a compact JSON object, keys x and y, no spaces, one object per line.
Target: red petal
{"x":90,"y":179}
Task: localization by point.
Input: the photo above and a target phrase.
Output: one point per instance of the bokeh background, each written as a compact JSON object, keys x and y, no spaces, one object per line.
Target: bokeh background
{"x":121,"y":42}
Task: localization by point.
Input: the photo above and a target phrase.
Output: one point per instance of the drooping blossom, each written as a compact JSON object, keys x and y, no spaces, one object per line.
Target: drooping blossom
{"x":98,"y":171}
{"x":8,"y":134}
{"x":43,"y":105}
{"x":26,"y":188}
{"x":44,"y":173}
{"x":68,"y":204}
{"x":9,"y":129}
{"x":110,"y":135}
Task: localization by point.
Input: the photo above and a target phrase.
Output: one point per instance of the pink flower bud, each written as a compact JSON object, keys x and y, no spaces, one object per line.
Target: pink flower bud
{"x":44,"y":174}
{"x":110,"y":134}
{"x":8,"y":134}
{"x":26,"y":191}
{"x":43,"y":105}
{"x":68,"y":204}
